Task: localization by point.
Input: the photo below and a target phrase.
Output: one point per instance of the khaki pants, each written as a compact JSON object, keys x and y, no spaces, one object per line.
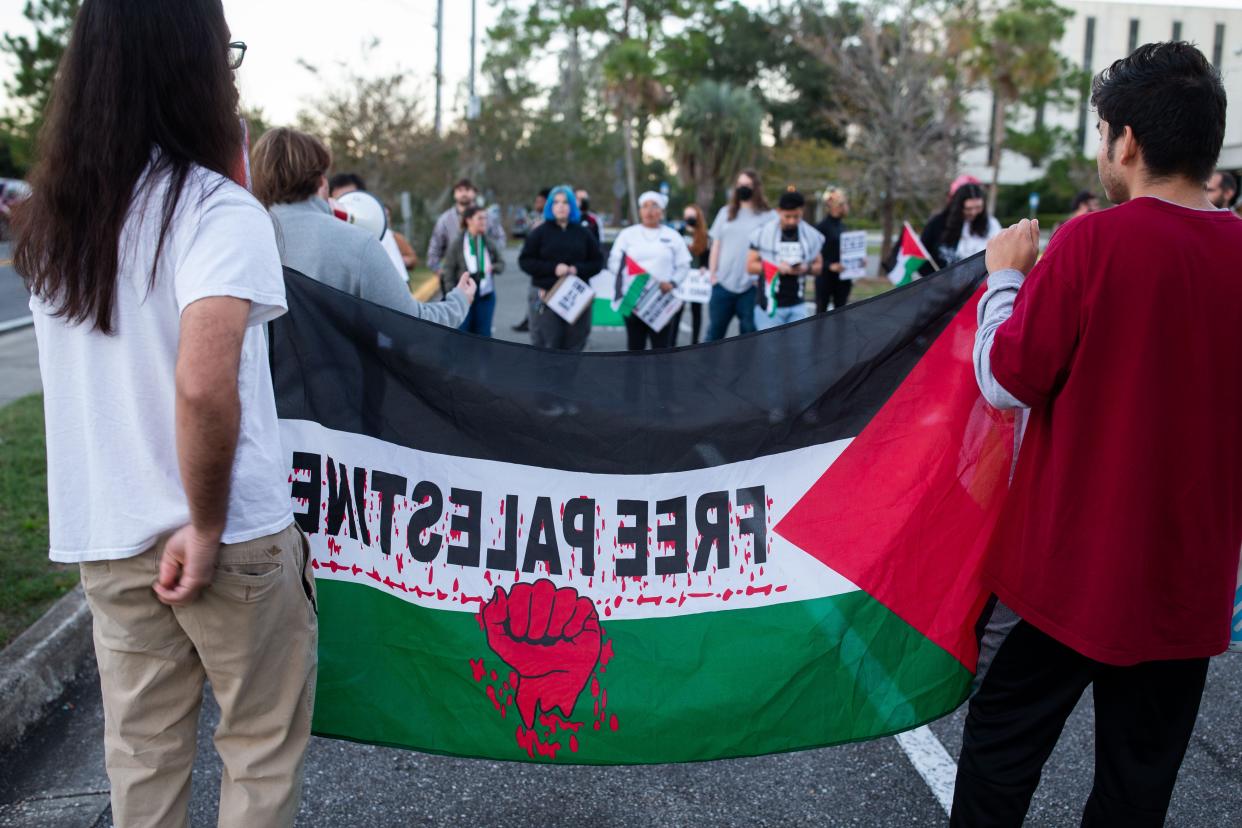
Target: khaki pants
{"x":253,"y":634}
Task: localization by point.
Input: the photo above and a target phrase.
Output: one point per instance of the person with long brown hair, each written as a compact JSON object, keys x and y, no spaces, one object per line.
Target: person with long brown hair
{"x":695,"y":234}
{"x":733,"y":289}
{"x":151,"y":274}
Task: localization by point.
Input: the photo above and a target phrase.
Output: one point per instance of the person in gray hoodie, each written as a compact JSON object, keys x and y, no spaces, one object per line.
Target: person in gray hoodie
{"x":290,"y":169}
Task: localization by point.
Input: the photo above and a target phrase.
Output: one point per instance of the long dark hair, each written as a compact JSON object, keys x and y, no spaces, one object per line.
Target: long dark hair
{"x":141,"y":82}
{"x":957,"y":216}
{"x":757,"y":201}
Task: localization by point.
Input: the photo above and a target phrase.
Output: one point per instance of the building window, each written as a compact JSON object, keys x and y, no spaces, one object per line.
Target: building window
{"x":1133,"y":35}
{"x":1088,"y":55}
{"x":1218,"y":46}
{"x":1177,"y":30}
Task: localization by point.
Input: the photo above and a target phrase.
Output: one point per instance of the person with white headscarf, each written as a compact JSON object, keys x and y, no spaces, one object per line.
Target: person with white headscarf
{"x":660,"y":251}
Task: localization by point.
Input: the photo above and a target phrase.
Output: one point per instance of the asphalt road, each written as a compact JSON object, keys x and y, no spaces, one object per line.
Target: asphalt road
{"x":13,"y":295}
{"x":56,"y":777}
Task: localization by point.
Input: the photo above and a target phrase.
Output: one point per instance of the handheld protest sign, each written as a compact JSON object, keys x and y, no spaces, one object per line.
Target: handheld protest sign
{"x":569,"y":297}
{"x":854,"y":254}
{"x":655,"y":307}
{"x":696,"y":288}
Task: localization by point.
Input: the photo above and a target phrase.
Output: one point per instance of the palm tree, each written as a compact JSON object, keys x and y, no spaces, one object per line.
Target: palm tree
{"x":632,"y":87}
{"x":1015,"y":53}
{"x":716,"y":134}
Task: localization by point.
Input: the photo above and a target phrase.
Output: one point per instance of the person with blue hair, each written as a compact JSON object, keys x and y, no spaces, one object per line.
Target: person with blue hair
{"x":557,"y":248}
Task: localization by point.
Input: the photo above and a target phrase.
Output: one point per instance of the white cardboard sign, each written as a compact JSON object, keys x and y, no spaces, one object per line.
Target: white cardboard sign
{"x":569,"y":297}
{"x":655,"y":307}
{"x":696,"y":288}
{"x":854,"y":254}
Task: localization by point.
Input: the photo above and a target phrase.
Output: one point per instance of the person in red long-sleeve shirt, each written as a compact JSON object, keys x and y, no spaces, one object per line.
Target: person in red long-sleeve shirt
{"x":1118,"y":544}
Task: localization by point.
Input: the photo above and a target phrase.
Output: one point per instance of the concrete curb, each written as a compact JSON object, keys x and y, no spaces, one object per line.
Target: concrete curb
{"x":38,"y":665}
{"x":427,"y":289}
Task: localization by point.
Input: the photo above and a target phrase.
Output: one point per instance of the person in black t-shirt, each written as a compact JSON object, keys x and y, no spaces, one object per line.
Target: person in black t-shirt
{"x":829,"y":286}
{"x":782,"y":254}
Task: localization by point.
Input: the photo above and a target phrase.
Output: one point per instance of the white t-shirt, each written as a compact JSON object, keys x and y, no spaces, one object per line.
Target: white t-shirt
{"x":734,"y":237}
{"x":114,"y":484}
{"x":389,"y":243}
{"x":970,"y":244}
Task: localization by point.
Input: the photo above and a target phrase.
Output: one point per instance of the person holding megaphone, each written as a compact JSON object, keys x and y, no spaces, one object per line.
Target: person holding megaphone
{"x":290,"y":180}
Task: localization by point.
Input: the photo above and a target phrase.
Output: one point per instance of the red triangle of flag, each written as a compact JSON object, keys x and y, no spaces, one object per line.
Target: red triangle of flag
{"x":633,"y":268}
{"x":770,"y":271}
{"x":906,"y":511}
{"x":910,"y":244}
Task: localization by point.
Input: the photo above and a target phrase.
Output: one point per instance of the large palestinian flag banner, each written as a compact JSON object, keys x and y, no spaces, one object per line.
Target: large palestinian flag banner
{"x":765,"y":544}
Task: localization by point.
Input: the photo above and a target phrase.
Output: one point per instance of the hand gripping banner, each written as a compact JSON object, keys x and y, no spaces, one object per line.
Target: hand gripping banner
{"x":765,"y":544}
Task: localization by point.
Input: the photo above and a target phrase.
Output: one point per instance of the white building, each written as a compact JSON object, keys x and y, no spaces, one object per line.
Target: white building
{"x":1103,"y":31}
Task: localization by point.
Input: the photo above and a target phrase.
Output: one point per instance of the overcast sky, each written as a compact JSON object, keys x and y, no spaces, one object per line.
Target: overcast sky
{"x":323,"y":32}
{"x":280,"y":32}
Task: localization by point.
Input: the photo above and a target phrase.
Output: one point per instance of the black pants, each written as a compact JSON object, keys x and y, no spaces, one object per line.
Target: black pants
{"x":696,"y":323}
{"x":638,"y":332}
{"x":547,"y":330}
{"x":831,"y":286}
{"x":1144,"y":716}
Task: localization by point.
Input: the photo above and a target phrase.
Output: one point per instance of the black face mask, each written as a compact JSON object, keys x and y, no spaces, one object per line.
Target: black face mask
{"x":744,"y":193}
{"x":692,"y":222}
{"x":585,"y":205}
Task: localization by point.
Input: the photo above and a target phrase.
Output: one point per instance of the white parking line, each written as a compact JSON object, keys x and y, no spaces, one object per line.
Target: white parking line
{"x":14,"y":324}
{"x":932,"y":762}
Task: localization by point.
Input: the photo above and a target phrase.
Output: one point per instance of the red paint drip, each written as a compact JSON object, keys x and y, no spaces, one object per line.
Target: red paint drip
{"x":528,"y":740}
{"x":477,"y":669}
{"x":605,"y":654}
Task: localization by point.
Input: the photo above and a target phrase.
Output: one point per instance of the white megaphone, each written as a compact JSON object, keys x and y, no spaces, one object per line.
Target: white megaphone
{"x":364,"y":210}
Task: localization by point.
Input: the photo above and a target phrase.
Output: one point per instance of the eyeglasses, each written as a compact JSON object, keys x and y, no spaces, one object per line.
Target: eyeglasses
{"x":237,"y":53}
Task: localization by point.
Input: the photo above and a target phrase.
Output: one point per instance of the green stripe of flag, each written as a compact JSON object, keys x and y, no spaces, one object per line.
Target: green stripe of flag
{"x":683,"y":688}
{"x":631,"y":296}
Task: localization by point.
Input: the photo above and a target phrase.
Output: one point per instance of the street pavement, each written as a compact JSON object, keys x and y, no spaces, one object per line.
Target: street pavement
{"x":55,"y":777}
{"x":13,"y":295}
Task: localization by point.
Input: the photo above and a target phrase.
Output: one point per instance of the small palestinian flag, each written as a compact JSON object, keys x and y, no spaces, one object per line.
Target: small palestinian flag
{"x":771,"y":282}
{"x":602,"y":313}
{"x":910,"y":258}
{"x":520,"y":555}
{"x":632,"y":280}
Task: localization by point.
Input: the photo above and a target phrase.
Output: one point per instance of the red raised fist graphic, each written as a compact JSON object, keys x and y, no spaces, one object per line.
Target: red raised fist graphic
{"x":551,"y":637}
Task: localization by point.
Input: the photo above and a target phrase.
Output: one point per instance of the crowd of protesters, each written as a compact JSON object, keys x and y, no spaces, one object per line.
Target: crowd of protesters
{"x":152,"y":272}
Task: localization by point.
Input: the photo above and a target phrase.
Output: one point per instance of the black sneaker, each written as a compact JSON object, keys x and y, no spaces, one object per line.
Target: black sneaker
{"x":522,"y":327}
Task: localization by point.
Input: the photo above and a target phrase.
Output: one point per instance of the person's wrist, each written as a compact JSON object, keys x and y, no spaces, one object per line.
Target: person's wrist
{"x":207,"y":531}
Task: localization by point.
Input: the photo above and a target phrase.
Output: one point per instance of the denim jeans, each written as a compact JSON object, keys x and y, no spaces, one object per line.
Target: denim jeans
{"x":724,"y":305}
{"x":479,"y":318}
{"x":781,"y":317}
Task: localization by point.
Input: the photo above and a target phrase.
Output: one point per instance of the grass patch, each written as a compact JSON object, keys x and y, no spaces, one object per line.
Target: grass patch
{"x":866,"y":288}
{"x":418,"y":276}
{"x":29,"y":582}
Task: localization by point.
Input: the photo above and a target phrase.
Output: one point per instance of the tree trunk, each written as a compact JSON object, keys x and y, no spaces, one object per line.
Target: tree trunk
{"x":887,"y":210}
{"x":627,"y":140}
{"x":704,"y":194}
{"x":998,"y":147}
